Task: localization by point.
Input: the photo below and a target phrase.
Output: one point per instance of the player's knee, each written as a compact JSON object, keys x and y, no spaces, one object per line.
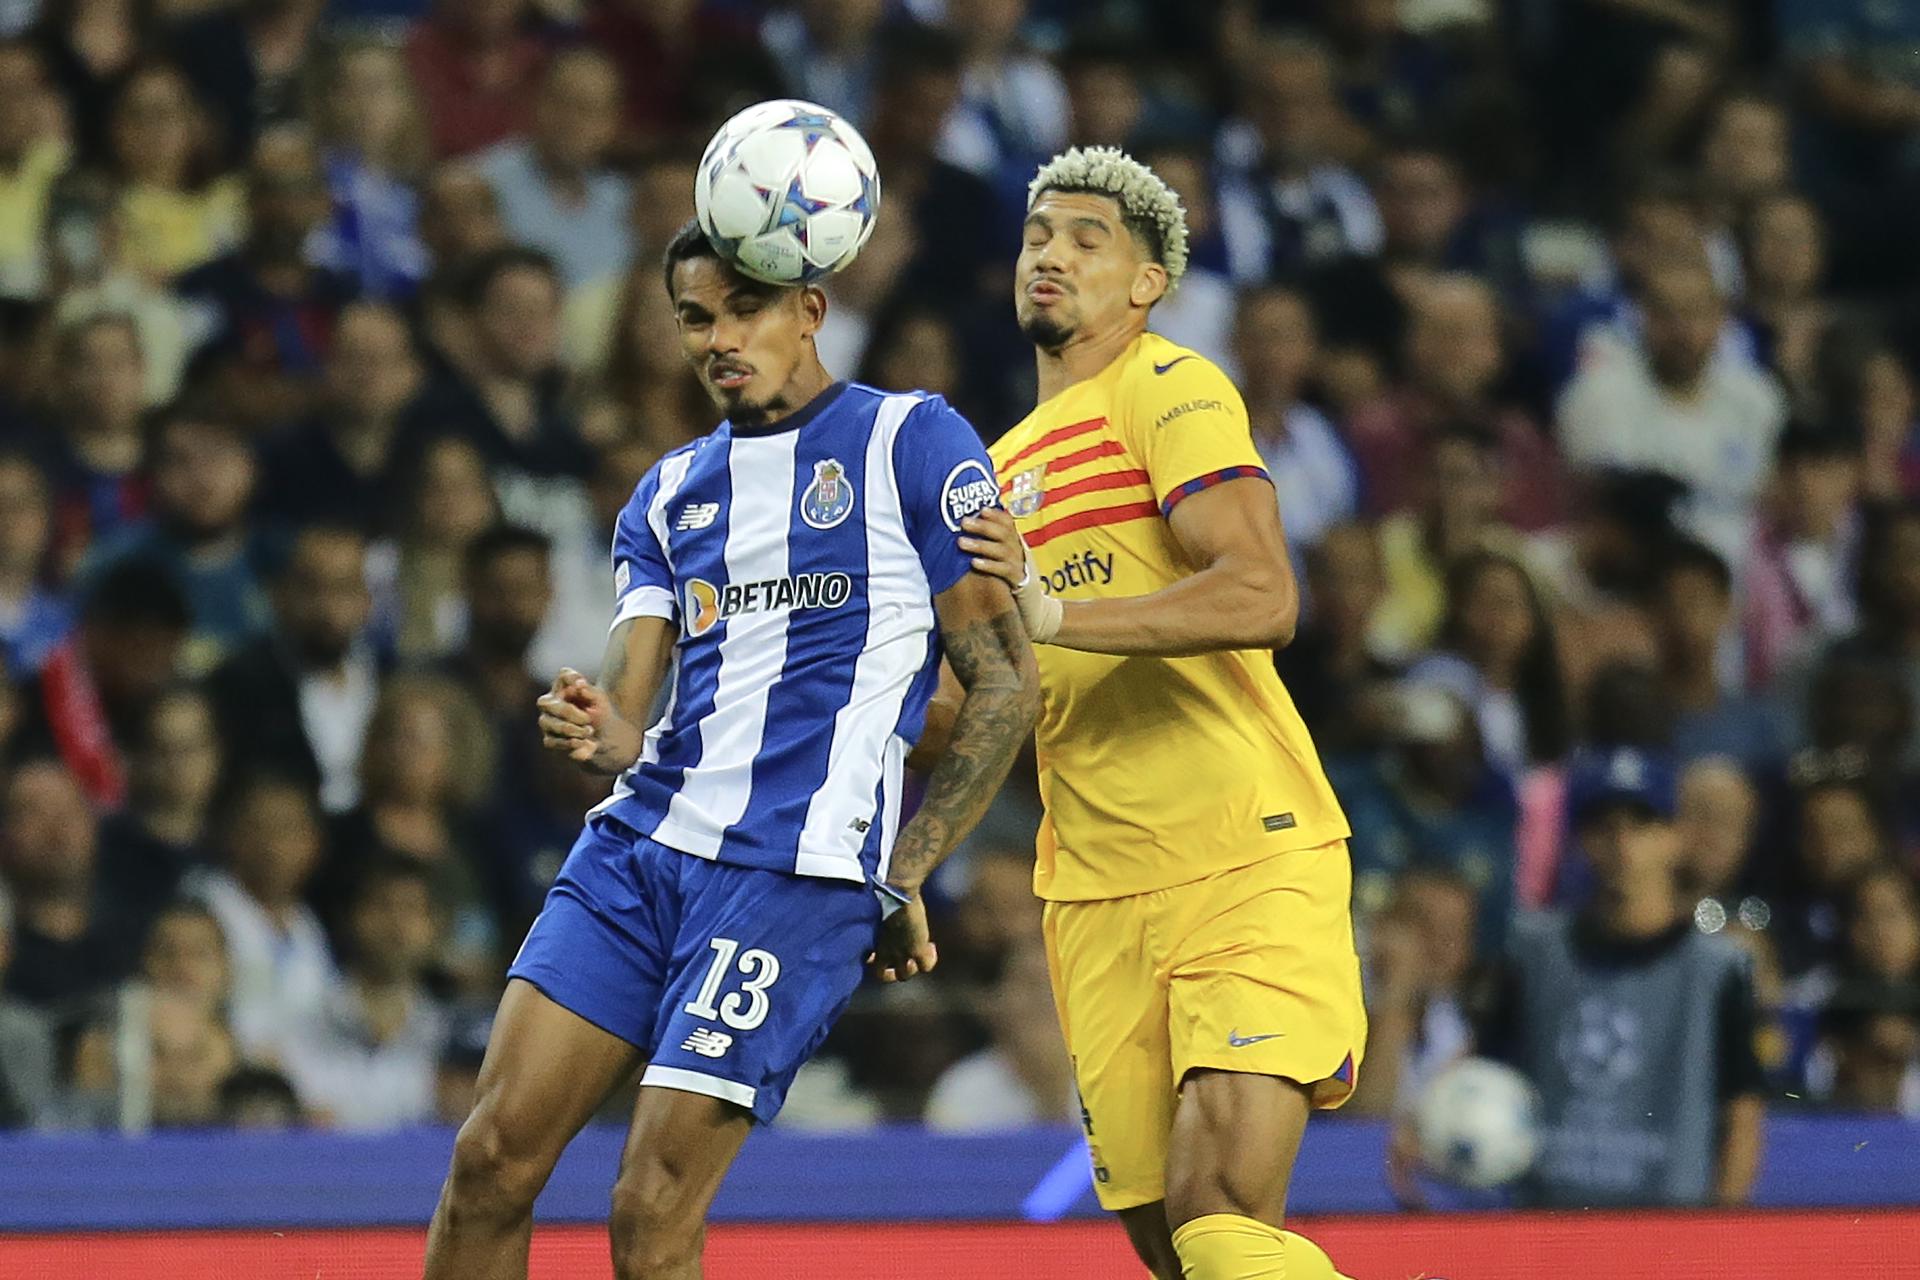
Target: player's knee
{"x":493,"y":1177}
{"x":657,"y":1218}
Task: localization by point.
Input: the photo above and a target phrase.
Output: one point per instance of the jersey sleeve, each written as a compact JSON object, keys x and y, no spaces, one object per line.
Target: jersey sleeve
{"x":642,"y":579}
{"x":1187,"y":421}
{"x":944,"y":476}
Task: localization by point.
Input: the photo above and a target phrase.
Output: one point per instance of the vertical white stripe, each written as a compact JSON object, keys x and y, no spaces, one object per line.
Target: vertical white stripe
{"x":899,"y":616}
{"x":753,"y":651}
{"x":673,"y":474}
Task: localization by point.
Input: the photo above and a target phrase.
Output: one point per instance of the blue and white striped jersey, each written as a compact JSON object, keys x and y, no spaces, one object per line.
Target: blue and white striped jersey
{"x":801,"y":561}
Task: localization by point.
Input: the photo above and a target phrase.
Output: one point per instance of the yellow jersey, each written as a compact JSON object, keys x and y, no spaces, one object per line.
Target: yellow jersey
{"x":1154,"y":771}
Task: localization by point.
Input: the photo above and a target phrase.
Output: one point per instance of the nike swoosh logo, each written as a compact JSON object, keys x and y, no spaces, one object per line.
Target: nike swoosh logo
{"x":1239,"y":1041}
{"x":1162,"y":368}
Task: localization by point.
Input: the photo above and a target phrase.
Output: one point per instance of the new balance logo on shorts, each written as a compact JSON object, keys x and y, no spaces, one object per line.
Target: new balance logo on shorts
{"x":708,"y":1043}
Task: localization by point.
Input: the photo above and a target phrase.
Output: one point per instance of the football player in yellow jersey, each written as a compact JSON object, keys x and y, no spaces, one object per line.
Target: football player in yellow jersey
{"x":1193,"y":857}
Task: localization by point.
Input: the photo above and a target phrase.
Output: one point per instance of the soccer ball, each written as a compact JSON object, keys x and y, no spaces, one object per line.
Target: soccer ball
{"x":1476,"y":1124}
{"x":787,"y":191}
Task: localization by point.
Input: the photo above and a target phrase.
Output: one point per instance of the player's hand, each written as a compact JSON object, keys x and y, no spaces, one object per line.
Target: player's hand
{"x":994,"y":542}
{"x":905,"y":947}
{"x":577,"y":718}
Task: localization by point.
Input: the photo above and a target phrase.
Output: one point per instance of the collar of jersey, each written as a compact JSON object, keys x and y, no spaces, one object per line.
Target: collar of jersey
{"x":794,"y":421}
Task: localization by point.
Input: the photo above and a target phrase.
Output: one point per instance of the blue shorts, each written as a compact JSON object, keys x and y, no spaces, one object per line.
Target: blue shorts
{"x":727,"y":978}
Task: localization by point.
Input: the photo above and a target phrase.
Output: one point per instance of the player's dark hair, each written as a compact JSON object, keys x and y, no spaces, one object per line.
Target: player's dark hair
{"x":1690,"y":555}
{"x":253,"y":1084}
{"x":689,"y":244}
{"x":501,"y":540}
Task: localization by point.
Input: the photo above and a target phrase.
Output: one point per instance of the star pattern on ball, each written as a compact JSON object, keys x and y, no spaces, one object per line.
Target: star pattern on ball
{"x":813,"y":126}
{"x":796,"y":208}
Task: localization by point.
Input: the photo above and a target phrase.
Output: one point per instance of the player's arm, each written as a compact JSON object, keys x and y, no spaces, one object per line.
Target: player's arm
{"x":1241,"y":596}
{"x":602,"y":726}
{"x":1742,"y":1083}
{"x":992,"y":662}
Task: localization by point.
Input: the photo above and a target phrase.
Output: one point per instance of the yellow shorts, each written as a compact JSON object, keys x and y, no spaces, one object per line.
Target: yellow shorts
{"x":1250,"y":970}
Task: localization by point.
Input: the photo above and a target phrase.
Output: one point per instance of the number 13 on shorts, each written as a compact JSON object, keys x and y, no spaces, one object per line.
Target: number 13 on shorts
{"x":746,"y":1008}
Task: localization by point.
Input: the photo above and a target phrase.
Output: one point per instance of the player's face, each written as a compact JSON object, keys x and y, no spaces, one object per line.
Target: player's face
{"x":1079,"y":270}
{"x":746,"y":340}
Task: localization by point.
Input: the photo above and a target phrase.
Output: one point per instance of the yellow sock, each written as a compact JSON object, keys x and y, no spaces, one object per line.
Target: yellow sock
{"x":1227,"y":1246}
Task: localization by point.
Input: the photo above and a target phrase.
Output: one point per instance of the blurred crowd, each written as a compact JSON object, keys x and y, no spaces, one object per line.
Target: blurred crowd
{"x":1578,"y":335}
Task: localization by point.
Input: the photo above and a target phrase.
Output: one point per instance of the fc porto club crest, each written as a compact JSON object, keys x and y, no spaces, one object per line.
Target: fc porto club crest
{"x":1024,"y":495}
{"x":829,"y":499}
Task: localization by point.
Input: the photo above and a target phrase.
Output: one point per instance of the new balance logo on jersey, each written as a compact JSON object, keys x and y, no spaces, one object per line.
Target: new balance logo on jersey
{"x":708,"y":605}
{"x":698,"y":515}
{"x":708,"y":1043}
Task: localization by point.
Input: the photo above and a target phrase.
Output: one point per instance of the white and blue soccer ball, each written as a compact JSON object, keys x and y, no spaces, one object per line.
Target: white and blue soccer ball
{"x":1477,"y":1124}
{"x":787,"y":192}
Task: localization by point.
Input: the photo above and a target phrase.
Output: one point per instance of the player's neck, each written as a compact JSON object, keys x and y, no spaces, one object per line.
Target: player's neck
{"x":806,"y":384}
{"x":1084,"y":356}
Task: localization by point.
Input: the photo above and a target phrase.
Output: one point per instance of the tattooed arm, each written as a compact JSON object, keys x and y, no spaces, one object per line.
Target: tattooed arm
{"x":991,"y":659}
{"x":601,"y":726}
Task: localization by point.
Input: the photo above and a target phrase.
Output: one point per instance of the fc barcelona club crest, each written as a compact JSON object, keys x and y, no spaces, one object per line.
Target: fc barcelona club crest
{"x":1024,"y":495}
{"x":829,"y":499}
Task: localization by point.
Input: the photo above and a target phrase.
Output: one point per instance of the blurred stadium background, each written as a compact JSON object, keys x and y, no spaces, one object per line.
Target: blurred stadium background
{"x":1579,"y":336}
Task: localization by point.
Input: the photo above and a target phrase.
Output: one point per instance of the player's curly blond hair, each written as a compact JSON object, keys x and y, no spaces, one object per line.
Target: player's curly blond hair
{"x":1151,"y":210}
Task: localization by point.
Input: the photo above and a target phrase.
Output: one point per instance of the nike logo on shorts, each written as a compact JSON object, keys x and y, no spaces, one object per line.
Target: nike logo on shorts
{"x":1238,"y":1041}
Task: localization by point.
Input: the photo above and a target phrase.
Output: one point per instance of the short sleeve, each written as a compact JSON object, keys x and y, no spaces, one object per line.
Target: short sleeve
{"x":1740,"y":1073}
{"x":944,"y":476}
{"x":1187,"y":421}
{"x":642,"y":579}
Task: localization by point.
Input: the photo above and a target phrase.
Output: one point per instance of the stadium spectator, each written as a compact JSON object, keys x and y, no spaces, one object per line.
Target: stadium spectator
{"x":33,"y":617}
{"x":1454,"y":361}
{"x":1497,"y":650}
{"x":203,"y":474}
{"x":1838,"y":838}
{"x":99,"y":404}
{"x":477,"y":68}
{"x":994,"y":913}
{"x":270,"y":839}
{"x":1718,"y":813}
{"x":177,"y":205}
{"x":260,"y":1099}
{"x":685,"y":65}
{"x":1314,"y":476}
{"x":33,"y":155}
{"x":247,"y":61}
{"x":297,"y":701}
{"x":459,"y":214}
{"x":1682,"y":410}
{"x":1432,"y":799}
{"x":338,"y":466}
{"x":447,"y":503}
{"x":1786,"y":263}
{"x":1636,"y":1028}
{"x":555,"y":191}
{"x":273,"y":312}
{"x":1333,"y":668}
{"x":1879,"y":962}
{"x":1799,"y":570}
{"x":159,"y":1063}
{"x":365,"y":1059}
{"x":1869,"y":1059}
{"x":1744,"y":159}
{"x":1420,"y":955}
{"x":1199,"y":314}
{"x":1713,"y":715}
{"x":86,"y":47}
{"x":1022,"y":1078}
{"x":823,"y":52}
{"x":374,"y":149}
{"x":915,"y":347}
{"x":1889,"y":606}
{"x":86,"y":703}
{"x":173,"y":770}
{"x":1287,"y":199}
{"x":1456,"y":512}
{"x":186,"y":954}
{"x":28,"y":1062}
{"x":71,"y":938}
{"x":1106,"y":102}
{"x":1879,"y":397}
{"x":1013,"y":109}
{"x":509,"y":589}
{"x":427,"y":765}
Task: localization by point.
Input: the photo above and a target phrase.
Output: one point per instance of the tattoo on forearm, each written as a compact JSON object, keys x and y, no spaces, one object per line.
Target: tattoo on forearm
{"x":994,"y":719}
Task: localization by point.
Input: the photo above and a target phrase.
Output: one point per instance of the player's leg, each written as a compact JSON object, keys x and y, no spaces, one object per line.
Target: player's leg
{"x":1267,"y":1024}
{"x":545,"y":1072}
{"x":678,"y":1150}
{"x":1113,"y":1012}
{"x":580,"y":1005}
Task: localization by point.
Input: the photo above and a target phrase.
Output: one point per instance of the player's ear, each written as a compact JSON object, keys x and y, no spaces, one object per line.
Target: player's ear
{"x":813,"y":309}
{"x":1149,"y":284}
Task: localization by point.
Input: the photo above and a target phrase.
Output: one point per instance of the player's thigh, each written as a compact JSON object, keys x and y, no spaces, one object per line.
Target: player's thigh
{"x":678,"y":1150}
{"x":545,"y":1072}
{"x":1235,"y":1138}
{"x":1265,"y":980}
{"x":1112,"y":1003}
{"x":763,"y":965}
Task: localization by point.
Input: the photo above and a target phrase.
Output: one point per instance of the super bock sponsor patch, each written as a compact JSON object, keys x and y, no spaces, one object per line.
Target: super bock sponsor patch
{"x":968,"y":490}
